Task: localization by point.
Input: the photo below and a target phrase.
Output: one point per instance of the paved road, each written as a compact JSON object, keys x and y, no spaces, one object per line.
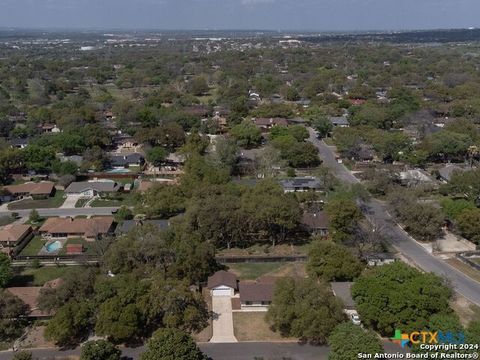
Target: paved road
{"x":232,"y":351}
{"x":377,"y":213}
{"x":64,"y":212}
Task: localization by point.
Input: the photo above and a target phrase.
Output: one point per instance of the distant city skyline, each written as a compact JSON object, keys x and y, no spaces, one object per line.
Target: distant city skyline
{"x":307,"y":15}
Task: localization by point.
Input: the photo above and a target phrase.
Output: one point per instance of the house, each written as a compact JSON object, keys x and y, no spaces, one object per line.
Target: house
{"x":90,"y":228}
{"x":126,"y":144}
{"x":127,"y":225}
{"x":13,"y":234}
{"x":126,"y":160}
{"x":378,"y":259}
{"x":343,"y":291}
{"x":91,"y":188}
{"x":357,"y":101}
{"x":198,"y":110}
{"x":37,"y":190}
{"x":222,"y":283}
{"x":301,"y":184}
{"x":256,"y":295}
{"x":29,"y":296}
{"x":265,"y":124}
{"x":315,"y":223}
{"x":414,"y":177}
{"x":49,"y":128}
{"x":19,"y":143}
{"x":339,"y":121}
{"x":77,"y":159}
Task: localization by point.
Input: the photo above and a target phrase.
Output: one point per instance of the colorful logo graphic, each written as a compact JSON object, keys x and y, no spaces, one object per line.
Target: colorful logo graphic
{"x":400,"y":338}
{"x":427,"y":337}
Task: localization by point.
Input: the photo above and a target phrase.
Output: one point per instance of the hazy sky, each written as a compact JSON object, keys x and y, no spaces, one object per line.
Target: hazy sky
{"x":241,"y":14}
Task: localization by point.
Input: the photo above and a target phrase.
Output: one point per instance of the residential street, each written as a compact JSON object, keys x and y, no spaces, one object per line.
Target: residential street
{"x":378,"y":214}
{"x":65,"y":212}
{"x":231,"y":351}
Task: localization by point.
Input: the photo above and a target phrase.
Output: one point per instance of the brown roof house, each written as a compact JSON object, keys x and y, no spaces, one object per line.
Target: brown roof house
{"x":315,"y":223}
{"x":265,"y":124}
{"x":30,"y":294}
{"x":11,"y":235}
{"x":90,"y":229}
{"x":256,"y":295}
{"x":222,"y":283}
{"x":40,"y":190}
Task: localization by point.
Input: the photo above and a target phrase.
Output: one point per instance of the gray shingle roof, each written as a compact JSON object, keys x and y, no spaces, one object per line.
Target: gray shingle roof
{"x":99,"y":186}
{"x":339,"y":120}
{"x":301,"y":183}
{"x":128,"y":225}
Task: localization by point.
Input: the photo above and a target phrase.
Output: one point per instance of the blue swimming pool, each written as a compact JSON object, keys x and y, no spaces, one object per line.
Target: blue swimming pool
{"x":118,"y":171}
{"x":54,"y":246}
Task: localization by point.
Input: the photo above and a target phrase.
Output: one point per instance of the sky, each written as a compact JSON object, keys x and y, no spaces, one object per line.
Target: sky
{"x":317,"y":15}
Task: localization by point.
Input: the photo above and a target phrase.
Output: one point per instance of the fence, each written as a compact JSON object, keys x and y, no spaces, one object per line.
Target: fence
{"x":260,"y":259}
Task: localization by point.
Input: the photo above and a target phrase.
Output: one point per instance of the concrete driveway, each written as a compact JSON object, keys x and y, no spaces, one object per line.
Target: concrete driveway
{"x":69,"y":202}
{"x":222,"y":320}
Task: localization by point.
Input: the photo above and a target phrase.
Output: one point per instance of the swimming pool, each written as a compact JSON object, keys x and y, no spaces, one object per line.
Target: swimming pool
{"x":54,"y":246}
{"x":118,"y":171}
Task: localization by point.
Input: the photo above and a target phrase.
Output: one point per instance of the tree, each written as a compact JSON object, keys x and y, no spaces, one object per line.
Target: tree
{"x":332,"y":262}
{"x":226,"y":153}
{"x":162,"y":201}
{"x":71,"y":323}
{"x":5,"y":270}
{"x":124,"y":213}
{"x":198,"y":86}
{"x":304,"y":309}
{"x":34,"y":217}
{"x":348,"y":340}
{"x":322,"y":124}
{"x":12,"y":315}
{"x":246,"y":134}
{"x":172,"y":344}
{"x":397,"y":296}
{"x":157,"y":155}
{"x":99,"y":350}
{"x":469,"y":224}
{"x":344,"y":216}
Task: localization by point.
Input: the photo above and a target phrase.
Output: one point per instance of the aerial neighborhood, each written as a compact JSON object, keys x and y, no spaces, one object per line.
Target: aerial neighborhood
{"x":305,"y":195}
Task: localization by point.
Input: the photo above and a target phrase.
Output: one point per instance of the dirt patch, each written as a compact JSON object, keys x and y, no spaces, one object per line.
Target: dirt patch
{"x":35,"y":339}
{"x":465,"y":309}
{"x":206,"y":334}
{"x":251,"y":326}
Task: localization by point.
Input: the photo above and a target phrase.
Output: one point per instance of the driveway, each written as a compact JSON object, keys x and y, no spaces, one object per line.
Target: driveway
{"x":222,"y":320}
{"x":377,"y":213}
{"x":69,"y":202}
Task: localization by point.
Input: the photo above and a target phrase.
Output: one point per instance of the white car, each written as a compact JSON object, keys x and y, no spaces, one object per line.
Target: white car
{"x":355,"y":319}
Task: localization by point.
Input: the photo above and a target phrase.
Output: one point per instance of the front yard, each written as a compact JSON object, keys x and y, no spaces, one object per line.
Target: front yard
{"x":251,"y":326}
{"x":124,"y":199}
{"x":51,"y":202}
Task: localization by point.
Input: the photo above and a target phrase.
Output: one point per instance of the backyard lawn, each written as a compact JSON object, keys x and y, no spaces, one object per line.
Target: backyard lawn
{"x":52,"y":202}
{"x":33,"y":247}
{"x":39,"y":276}
{"x":252,"y":271}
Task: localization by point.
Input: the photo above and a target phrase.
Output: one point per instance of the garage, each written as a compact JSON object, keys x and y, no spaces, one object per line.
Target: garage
{"x":222,"y":283}
{"x":222,"y":291}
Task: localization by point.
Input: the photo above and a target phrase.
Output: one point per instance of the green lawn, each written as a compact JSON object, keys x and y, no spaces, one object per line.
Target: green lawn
{"x":81,"y":202}
{"x":51,"y":202}
{"x":33,"y":247}
{"x":38,"y":277}
{"x":252,"y":271}
{"x":127,"y":199}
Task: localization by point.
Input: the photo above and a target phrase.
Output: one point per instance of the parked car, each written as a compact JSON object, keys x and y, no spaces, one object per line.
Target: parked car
{"x":355,"y":318}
